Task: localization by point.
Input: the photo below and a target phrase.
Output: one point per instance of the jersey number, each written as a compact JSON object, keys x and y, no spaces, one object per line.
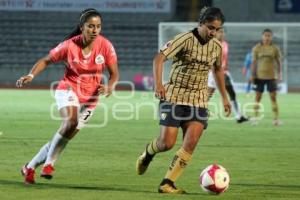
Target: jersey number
{"x":88,"y":114}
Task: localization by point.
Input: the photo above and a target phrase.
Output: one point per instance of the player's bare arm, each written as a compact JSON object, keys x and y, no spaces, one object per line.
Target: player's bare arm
{"x":37,"y":68}
{"x":279,"y":69}
{"x":219,"y":77}
{"x":113,"y":79}
{"x":158,"y":63}
{"x":253,"y":69}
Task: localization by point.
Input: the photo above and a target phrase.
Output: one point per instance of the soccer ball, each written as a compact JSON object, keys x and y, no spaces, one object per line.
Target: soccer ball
{"x":214,"y":179}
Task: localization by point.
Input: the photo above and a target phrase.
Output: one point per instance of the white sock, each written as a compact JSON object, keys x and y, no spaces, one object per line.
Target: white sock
{"x":58,"y":143}
{"x":40,"y":157}
{"x":236,"y":109}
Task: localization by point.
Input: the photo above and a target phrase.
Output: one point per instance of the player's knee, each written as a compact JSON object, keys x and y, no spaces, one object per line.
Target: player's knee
{"x":166,"y":145}
{"x":69,"y":126}
{"x":258,"y":97}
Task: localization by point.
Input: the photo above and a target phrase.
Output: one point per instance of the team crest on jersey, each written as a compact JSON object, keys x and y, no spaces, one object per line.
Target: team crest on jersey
{"x":99,"y":59}
{"x":163,"y":116}
{"x":214,"y":54}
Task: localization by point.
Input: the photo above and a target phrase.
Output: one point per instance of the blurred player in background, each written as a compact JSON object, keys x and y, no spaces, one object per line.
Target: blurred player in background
{"x":246,"y":70}
{"x":228,"y":79}
{"x":183,"y":100}
{"x":266,"y":71}
{"x":86,"y":54}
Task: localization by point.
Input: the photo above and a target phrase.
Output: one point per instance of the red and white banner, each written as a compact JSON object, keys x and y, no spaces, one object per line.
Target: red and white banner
{"x":154,"y":6}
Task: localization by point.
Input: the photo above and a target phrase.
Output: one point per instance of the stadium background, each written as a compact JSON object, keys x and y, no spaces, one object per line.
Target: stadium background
{"x":29,"y":30}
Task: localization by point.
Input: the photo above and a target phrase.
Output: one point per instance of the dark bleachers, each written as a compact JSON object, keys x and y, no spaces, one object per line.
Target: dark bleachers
{"x":27,"y":36}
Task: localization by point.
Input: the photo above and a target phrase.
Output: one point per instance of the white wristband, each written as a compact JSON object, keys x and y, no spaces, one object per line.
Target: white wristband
{"x":31,"y":75}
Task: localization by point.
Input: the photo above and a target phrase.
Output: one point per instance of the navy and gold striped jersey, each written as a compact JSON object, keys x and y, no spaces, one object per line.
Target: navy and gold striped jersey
{"x":192,"y":59}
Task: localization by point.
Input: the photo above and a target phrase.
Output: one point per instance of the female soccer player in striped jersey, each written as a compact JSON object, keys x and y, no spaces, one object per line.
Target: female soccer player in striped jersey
{"x":266,"y":71}
{"x":86,"y":54}
{"x":183,"y":99}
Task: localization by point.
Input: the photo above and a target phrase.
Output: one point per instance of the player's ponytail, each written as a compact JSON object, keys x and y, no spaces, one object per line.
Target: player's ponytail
{"x":84,"y":16}
{"x":208,"y":14}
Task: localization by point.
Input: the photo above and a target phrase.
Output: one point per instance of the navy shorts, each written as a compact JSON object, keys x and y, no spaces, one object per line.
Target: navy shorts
{"x":259,"y":85}
{"x":176,"y":115}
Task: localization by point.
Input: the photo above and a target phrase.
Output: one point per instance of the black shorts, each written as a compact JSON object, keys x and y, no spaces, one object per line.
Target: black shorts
{"x":176,"y":115}
{"x":259,"y":85}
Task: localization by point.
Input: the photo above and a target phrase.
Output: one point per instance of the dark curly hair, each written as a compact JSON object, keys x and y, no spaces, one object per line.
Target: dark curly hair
{"x":208,"y":14}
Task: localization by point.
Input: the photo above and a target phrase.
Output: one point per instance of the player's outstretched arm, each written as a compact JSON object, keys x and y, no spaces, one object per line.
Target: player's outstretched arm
{"x":37,"y":68}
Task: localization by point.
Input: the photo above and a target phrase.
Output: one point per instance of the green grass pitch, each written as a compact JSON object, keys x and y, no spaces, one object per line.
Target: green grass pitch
{"x":99,"y":163}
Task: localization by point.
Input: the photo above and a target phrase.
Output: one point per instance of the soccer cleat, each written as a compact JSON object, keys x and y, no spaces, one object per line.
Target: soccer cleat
{"x":277,"y":122}
{"x":143,"y":162}
{"x":168,"y":186}
{"x":28,"y":173}
{"x":47,"y":171}
{"x":242,"y":119}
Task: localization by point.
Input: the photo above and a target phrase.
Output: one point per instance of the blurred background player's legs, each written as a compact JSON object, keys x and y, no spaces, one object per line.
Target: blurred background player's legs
{"x":258,"y":96}
{"x":248,"y":88}
{"x":230,"y":90}
{"x":272,"y":87}
{"x":249,"y":82}
{"x":276,"y":120}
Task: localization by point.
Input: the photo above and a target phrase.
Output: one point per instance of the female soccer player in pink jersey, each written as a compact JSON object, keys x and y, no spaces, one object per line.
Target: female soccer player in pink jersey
{"x":86,"y":54}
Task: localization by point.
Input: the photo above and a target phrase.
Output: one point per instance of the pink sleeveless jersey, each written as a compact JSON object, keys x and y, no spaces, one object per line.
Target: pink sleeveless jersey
{"x":83,"y":74}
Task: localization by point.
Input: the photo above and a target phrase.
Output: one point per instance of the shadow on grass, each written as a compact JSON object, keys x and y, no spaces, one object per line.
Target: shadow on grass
{"x":134,"y":189}
{"x":81,"y":187}
{"x":71,"y":186}
{"x":267,"y":185}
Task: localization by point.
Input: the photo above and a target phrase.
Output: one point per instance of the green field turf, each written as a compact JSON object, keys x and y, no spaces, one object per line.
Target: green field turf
{"x":99,"y":163}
